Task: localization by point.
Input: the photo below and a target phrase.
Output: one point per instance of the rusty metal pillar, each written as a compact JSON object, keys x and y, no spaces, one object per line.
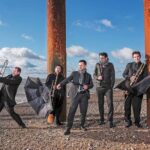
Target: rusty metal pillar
{"x":147,"y":49}
{"x":56,"y":38}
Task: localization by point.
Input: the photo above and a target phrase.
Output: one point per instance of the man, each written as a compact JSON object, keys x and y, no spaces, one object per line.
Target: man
{"x":79,"y":93}
{"x":57,"y":95}
{"x":104,"y":74}
{"x":136,"y":101}
{"x":8,"y":93}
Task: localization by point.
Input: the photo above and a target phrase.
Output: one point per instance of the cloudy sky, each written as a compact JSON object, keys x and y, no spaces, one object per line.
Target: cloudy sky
{"x":115,"y":27}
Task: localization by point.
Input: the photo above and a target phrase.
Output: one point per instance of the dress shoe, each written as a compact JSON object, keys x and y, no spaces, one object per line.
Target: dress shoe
{"x":128,"y":124}
{"x":23,"y":126}
{"x":59,"y":123}
{"x":111,"y":124}
{"x":101,"y":122}
{"x":138,"y":125}
{"x":83,"y":128}
{"x":67,"y":131}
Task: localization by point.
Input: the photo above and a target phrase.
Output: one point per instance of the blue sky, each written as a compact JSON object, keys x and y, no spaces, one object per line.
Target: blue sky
{"x":116,"y":27}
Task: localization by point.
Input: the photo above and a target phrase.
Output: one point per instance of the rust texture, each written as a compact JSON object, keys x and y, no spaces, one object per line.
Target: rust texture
{"x":147,"y":49}
{"x":56,"y":37}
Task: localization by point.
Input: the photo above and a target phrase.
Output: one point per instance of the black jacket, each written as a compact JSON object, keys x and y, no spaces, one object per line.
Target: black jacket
{"x":74,"y":79}
{"x":108,"y":74}
{"x":9,"y":88}
{"x":132,"y":68}
{"x":51,"y":79}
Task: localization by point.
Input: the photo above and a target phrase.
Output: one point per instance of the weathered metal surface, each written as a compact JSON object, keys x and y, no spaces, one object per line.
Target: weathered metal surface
{"x":56,"y":37}
{"x":147,"y":48}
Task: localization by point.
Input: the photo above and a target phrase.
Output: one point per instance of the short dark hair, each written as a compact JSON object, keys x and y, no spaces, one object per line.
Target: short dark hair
{"x":103,"y":54}
{"x":62,"y":69}
{"x":83,"y":61}
{"x":136,"y":52}
{"x":18,"y":69}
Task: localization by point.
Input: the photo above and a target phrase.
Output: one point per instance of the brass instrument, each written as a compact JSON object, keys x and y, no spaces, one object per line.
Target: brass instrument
{"x":138,"y":73}
{"x":3,"y":68}
{"x":54,"y":83}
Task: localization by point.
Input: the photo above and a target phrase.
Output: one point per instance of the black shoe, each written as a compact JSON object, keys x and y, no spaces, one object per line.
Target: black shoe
{"x":67,"y":131}
{"x":23,"y":126}
{"x":59,"y":123}
{"x":111,"y":124}
{"x":128,"y":124}
{"x":83,"y":128}
{"x":101,"y":122}
{"x":138,"y":125}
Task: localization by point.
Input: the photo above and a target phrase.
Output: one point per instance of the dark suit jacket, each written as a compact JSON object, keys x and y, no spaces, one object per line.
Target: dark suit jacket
{"x":74,"y":79}
{"x":9,"y":88}
{"x":132,"y":68}
{"x":108,"y":74}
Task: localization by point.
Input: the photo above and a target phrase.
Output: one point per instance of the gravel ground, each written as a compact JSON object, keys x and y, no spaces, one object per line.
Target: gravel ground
{"x":40,"y":135}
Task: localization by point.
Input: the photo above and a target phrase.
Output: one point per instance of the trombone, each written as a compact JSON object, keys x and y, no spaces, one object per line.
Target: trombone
{"x":3,"y":68}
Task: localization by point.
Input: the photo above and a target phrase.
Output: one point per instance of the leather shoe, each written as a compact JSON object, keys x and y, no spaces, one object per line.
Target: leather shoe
{"x":83,"y":128}
{"x":138,"y":125}
{"x":101,"y":122}
{"x":23,"y":126}
{"x":128,"y":124}
{"x":67,"y":131}
{"x":59,"y":124}
{"x":111,"y":124}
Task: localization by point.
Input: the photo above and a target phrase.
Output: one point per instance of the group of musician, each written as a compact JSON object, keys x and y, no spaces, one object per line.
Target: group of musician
{"x":104,"y":75}
{"x":80,"y":84}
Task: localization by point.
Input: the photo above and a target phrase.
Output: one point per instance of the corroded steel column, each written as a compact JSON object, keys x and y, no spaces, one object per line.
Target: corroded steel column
{"x":147,"y":49}
{"x":56,"y":37}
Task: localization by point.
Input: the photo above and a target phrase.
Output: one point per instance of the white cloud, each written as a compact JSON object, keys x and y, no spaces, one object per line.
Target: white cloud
{"x":123,"y":54}
{"x":27,"y":37}
{"x":96,"y":25}
{"x":25,"y":58}
{"x":77,"y":52}
{"x":106,"y":23}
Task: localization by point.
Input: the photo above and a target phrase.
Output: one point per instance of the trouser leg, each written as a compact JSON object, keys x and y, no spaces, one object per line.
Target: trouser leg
{"x":58,"y":109}
{"x":136,"y":104}
{"x":109,"y":96}
{"x":13,"y":114}
{"x":100,"y":94}
{"x":1,"y":106}
{"x":83,"y":108}
{"x":127,"y":108}
{"x":72,"y":111}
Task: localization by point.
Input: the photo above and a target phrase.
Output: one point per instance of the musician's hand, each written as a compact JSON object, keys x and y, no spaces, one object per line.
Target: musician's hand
{"x":100,"y":78}
{"x":54,"y":87}
{"x":58,"y":87}
{"x":132,"y":78}
{"x":85,"y":87}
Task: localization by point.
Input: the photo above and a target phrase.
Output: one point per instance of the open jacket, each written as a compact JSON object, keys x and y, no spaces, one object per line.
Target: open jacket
{"x":9,"y":88}
{"x":51,"y":79}
{"x":74,"y":79}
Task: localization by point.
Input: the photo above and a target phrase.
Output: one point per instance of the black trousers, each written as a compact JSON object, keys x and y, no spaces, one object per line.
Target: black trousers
{"x":10,"y":109}
{"x":82,"y":101}
{"x":136,"y":102}
{"x":57,"y":104}
{"x":108,"y":92}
